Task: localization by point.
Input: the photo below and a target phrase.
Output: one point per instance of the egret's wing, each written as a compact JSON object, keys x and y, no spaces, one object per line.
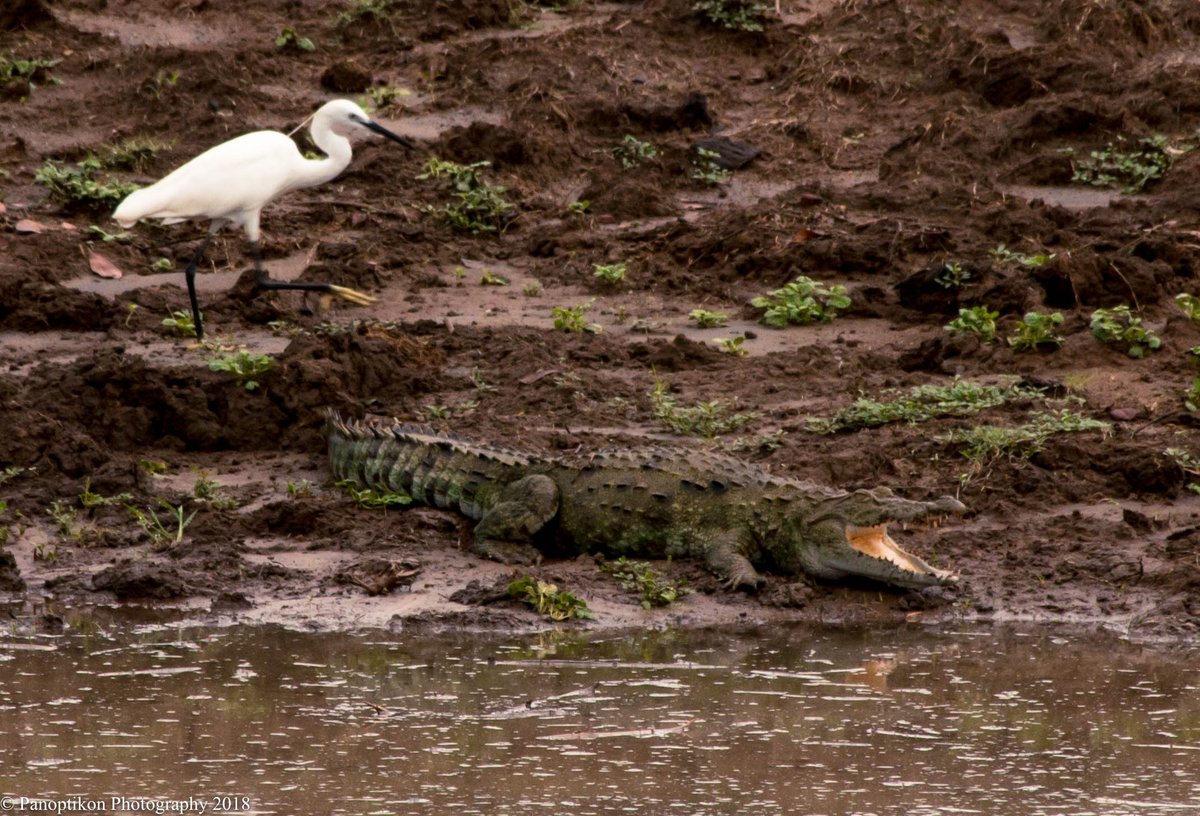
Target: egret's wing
{"x":235,"y":177}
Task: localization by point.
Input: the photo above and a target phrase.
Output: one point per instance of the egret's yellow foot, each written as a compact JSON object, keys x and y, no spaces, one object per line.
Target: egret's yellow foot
{"x":352,"y":295}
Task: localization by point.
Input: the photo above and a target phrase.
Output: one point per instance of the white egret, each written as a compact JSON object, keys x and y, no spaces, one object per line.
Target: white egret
{"x":232,"y":182}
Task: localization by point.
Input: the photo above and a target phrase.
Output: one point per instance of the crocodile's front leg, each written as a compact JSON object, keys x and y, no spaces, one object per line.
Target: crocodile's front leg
{"x":506,"y":531}
{"x":725,"y":556}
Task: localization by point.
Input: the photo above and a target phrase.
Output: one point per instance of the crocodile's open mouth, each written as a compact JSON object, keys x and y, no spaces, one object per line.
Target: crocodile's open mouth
{"x":875,"y":542}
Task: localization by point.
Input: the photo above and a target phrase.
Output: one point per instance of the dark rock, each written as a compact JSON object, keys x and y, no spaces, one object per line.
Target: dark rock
{"x":10,"y":576}
{"x":731,"y":155}
{"x":346,"y":76}
{"x":137,"y":580}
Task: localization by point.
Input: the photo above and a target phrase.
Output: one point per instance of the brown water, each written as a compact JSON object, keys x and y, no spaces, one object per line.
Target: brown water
{"x":691,"y":723}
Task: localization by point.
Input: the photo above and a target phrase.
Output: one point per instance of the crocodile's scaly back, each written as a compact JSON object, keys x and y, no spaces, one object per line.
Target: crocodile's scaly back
{"x":659,"y":502}
{"x":413,"y":460}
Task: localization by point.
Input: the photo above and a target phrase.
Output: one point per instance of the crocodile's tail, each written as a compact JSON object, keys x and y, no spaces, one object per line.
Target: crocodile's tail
{"x":416,"y":461}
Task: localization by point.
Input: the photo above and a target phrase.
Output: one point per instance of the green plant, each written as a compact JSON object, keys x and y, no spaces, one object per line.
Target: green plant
{"x":181,"y":323}
{"x":288,"y":38}
{"x":549,"y":601}
{"x":370,"y":497}
{"x":1036,"y":329}
{"x":152,"y":467}
{"x":952,"y":276}
{"x":363,"y":11}
{"x":570,"y":319}
{"x":160,"y":534}
{"x":1129,"y":168}
{"x":489,"y":278}
{"x":285,"y":328}
{"x":1189,"y":464}
{"x":640,"y":577}
{"x":923,"y":403}
{"x":1190,"y":305}
{"x":632,"y":151}
{"x":243,"y":365}
{"x":64,"y":519}
{"x":480,"y":382}
{"x":706,"y":319}
{"x":734,"y":346}
{"x":209,"y":491}
{"x":1120,"y":326}
{"x":163,"y":265}
{"x":33,"y":71}
{"x":1005,"y":255}
{"x":11,"y":472}
{"x":706,"y":419}
{"x":89,"y":500}
{"x":571,"y":382}
{"x":975,"y":320}
{"x":706,"y":167}
{"x":984,"y":443}
{"x":478,"y":206}
{"x":109,"y":237}
{"x":764,"y":442}
{"x":1191,"y":397}
{"x":578,"y":207}
{"x":81,"y":186}
{"x":803,"y":301}
{"x":736,"y":15}
{"x":163,"y":81}
{"x":611,"y":274}
{"x":300,"y":489}
{"x":532,"y":289}
{"x":131,"y":154}
{"x":382,"y":96}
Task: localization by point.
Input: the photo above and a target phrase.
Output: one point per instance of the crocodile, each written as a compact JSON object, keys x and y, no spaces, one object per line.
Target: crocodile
{"x":656,"y":503}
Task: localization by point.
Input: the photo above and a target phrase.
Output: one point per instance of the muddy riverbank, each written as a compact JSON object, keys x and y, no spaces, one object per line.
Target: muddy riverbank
{"x":918,"y":155}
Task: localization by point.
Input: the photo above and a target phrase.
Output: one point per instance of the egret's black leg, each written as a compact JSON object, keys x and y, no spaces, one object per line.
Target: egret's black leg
{"x":189,"y":275}
{"x":263,"y":281}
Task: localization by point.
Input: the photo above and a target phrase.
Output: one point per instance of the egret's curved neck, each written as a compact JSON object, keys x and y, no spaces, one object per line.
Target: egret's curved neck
{"x":337,"y":155}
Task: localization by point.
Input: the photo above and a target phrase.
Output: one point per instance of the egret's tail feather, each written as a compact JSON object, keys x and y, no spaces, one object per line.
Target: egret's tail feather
{"x":139,"y":204}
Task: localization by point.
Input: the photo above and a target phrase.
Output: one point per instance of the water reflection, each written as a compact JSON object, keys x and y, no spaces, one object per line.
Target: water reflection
{"x":712,"y":722}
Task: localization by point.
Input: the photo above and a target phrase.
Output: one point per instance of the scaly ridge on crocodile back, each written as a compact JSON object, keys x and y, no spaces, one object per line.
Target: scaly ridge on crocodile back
{"x":659,"y":502}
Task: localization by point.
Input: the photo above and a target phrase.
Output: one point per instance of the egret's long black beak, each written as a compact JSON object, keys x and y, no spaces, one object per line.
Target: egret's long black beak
{"x":382,"y":131}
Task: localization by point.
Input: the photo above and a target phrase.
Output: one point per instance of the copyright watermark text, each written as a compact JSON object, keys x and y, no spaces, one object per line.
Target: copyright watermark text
{"x":125,"y":804}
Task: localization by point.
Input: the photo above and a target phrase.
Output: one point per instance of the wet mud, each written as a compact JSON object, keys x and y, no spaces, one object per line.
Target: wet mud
{"x":873,"y":145}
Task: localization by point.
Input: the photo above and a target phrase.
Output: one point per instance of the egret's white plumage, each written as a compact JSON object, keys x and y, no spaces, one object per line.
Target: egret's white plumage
{"x":232,"y":182}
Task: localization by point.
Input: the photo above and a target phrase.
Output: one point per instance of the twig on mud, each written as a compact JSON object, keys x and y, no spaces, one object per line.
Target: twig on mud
{"x":1154,"y":421}
{"x":1125,"y":281}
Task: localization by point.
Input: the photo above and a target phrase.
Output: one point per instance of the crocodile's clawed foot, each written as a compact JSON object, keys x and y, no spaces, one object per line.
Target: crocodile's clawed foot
{"x":748,"y":581}
{"x":352,"y":295}
{"x":509,"y":552}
